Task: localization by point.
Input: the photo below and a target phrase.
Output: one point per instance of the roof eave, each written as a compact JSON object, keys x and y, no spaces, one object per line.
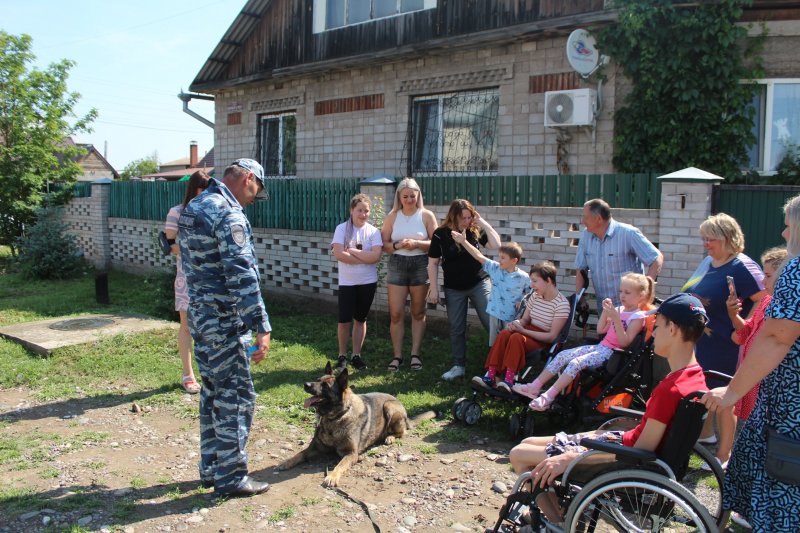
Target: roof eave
{"x":497,"y":36}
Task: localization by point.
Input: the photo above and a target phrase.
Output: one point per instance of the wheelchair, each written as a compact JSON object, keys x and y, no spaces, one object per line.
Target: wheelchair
{"x":469,"y":410}
{"x":639,"y":491}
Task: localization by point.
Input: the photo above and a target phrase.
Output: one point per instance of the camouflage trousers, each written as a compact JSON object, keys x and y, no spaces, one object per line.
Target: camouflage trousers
{"x":227,"y":403}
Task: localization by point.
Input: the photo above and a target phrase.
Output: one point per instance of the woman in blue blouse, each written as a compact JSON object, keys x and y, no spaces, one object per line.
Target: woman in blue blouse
{"x":724,"y":241}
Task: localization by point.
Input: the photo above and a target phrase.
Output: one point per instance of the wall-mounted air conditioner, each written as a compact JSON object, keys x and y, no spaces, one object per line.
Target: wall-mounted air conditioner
{"x":569,"y":108}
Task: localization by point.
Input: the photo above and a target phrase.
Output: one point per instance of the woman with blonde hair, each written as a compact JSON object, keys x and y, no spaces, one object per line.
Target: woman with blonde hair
{"x":724,"y":242}
{"x":406,"y":234}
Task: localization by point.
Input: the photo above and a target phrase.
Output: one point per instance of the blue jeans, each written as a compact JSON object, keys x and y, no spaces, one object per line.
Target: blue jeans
{"x":457,"y":315}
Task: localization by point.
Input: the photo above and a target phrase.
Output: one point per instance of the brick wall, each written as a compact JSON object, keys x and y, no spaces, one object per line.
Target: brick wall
{"x":366,"y":142}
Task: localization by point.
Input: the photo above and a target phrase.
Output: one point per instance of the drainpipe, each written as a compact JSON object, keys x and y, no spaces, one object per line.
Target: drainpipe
{"x":187,"y":97}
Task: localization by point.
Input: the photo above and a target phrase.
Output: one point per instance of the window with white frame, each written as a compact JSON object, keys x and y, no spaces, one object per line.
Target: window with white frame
{"x":277,"y":144}
{"x":330,"y":14}
{"x":776,"y":123}
{"x":455,"y":132}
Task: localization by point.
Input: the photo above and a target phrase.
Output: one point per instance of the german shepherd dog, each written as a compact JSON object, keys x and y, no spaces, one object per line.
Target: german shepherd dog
{"x":349,"y":423}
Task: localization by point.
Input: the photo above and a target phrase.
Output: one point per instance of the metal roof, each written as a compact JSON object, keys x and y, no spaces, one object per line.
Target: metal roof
{"x":238,"y":32}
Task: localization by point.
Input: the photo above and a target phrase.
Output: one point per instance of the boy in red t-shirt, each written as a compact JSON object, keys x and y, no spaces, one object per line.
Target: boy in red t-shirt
{"x":680,"y":322}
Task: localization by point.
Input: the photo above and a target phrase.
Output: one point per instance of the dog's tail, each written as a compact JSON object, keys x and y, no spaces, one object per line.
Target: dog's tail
{"x":416,"y":419}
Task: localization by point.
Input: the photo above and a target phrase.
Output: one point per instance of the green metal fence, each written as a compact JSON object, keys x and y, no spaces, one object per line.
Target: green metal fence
{"x":304,"y":204}
{"x":638,"y":191}
{"x":145,"y":200}
{"x":321,"y":204}
{"x":758,"y":209}
{"x":80,"y":189}
{"x":308,"y":204}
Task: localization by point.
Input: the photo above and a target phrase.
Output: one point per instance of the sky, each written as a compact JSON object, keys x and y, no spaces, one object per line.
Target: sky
{"x":132,"y":59}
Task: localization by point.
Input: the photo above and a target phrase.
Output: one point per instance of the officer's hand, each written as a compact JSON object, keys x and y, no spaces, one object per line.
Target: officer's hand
{"x":262,"y":342}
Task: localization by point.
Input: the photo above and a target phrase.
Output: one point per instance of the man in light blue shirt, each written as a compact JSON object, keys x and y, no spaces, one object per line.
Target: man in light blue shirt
{"x":609,"y":249}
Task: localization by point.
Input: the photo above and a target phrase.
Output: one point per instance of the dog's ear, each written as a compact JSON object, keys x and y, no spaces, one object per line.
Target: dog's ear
{"x":328,"y":369}
{"x":341,"y":379}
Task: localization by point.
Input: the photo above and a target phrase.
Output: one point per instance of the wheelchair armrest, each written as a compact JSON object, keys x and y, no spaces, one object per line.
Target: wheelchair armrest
{"x":719,"y":375}
{"x":622,"y":452}
{"x":624,"y":411}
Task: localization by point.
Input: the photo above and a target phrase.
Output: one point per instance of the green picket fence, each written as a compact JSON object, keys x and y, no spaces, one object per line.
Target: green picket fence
{"x":632,"y":191}
{"x":145,"y":200}
{"x":308,"y":204}
{"x":304,"y":204}
{"x":80,"y":189}
{"x":321,"y":204}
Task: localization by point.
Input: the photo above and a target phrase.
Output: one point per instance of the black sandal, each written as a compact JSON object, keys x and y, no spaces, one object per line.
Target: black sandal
{"x":394,"y":364}
{"x":416,"y":365}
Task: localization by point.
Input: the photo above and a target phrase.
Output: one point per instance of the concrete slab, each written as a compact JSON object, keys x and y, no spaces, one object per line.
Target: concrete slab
{"x":46,"y":335}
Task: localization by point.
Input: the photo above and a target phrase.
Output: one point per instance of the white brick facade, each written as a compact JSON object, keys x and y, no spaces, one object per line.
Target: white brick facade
{"x":367,"y":143}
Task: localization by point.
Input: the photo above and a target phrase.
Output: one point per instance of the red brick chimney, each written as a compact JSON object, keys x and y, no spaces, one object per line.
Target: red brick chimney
{"x":192,"y":154}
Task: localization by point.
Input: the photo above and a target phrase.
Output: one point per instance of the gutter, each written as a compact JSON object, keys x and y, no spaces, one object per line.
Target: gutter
{"x":187,"y":97}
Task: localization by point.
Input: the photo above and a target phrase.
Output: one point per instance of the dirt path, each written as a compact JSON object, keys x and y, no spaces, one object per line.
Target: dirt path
{"x":104,"y":467}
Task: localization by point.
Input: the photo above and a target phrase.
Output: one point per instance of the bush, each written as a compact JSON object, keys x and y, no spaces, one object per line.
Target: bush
{"x":46,"y":251}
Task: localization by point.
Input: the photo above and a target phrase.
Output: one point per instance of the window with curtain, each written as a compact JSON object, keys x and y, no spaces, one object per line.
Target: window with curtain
{"x":278,"y":145}
{"x":776,"y":123}
{"x":455,"y":132}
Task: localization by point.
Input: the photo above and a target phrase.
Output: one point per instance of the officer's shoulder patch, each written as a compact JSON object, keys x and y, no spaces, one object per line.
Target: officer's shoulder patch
{"x":237,"y":232}
{"x":186,"y":220}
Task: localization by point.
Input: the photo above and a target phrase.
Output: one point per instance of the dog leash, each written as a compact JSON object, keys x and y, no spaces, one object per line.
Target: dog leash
{"x":358,"y":502}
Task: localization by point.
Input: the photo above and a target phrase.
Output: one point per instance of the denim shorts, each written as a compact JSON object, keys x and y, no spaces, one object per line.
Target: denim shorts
{"x":408,"y":270}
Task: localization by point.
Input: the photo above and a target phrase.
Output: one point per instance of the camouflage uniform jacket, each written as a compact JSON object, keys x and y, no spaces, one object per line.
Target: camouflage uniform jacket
{"x":218,"y":255}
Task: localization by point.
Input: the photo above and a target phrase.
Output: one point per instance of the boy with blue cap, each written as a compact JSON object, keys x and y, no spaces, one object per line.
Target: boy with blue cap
{"x":680,"y":321}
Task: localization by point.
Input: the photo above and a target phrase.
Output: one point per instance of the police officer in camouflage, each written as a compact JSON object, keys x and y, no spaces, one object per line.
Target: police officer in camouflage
{"x":219,"y":261}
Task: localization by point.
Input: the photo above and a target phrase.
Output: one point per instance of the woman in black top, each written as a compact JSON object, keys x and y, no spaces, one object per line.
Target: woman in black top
{"x":464,"y":280}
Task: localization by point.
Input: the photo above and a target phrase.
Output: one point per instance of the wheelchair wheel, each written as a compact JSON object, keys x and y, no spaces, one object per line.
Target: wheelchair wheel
{"x":458,"y":409}
{"x":705,"y":485}
{"x":636,"y":500}
{"x":528,"y":425}
{"x":472,"y":412}
{"x":514,"y":425}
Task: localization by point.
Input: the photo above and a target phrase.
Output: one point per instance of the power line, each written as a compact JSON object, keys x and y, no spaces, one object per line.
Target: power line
{"x":102,"y":35}
{"x":149,"y":127}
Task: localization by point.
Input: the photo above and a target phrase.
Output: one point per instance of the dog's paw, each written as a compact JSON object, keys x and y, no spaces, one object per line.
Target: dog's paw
{"x":389,"y":439}
{"x":331,"y":480}
{"x":283,"y":466}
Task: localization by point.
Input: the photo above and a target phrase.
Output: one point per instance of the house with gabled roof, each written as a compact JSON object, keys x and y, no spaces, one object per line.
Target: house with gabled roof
{"x":343,"y":88}
{"x":93,"y":164}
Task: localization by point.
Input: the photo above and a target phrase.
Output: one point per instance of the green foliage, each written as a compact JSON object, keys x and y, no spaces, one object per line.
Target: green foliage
{"x":788,"y":170}
{"x":46,"y":251}
{"x":140,"y":167}
{"x":37,"y":118}
{"x":687,"y":105}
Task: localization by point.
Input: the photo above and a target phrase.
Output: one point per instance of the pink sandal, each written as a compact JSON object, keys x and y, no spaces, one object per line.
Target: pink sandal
{"x":190,"y":385}
{"x":528,"y":390}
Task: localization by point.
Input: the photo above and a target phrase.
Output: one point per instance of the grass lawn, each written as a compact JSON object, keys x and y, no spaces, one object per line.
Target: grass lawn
{"x":146,"y":368}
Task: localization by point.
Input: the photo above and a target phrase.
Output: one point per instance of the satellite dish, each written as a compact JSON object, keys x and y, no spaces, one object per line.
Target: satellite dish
{"x":582,"y":52}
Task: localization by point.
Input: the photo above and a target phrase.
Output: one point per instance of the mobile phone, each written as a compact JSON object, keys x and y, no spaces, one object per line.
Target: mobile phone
{"x":731,"y":286}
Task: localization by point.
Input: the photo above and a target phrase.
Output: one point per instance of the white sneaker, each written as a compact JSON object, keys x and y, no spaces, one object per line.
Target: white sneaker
{"x":453,"y":373}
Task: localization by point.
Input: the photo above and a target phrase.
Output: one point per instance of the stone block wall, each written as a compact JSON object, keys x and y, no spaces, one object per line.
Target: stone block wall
{"x":300,"y":263}
{"x":374,"y":141}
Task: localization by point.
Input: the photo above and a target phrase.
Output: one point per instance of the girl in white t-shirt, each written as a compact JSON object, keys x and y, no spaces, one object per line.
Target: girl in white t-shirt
{"x":357,"y":246}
